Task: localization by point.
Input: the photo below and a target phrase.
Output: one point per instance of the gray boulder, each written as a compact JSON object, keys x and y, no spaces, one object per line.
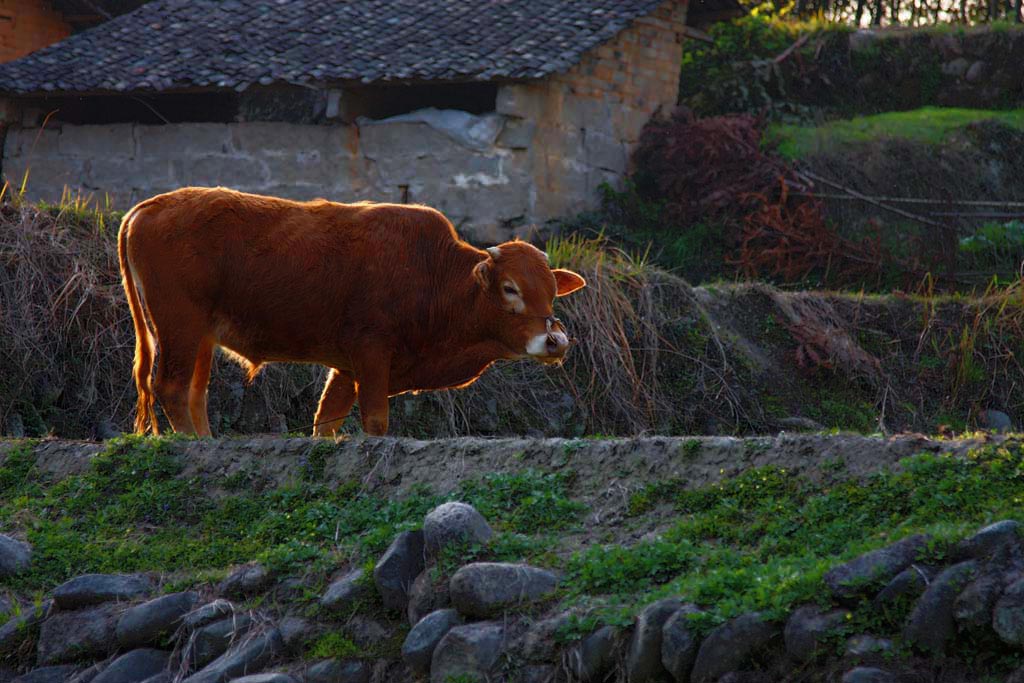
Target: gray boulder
{"x":296,"y":632}
{"x":249,"y":656}
{"x":17,"y":629}
{"x":807,"y":628}
{"x":93,"y":589}
{"x":679,"y":644}
{"x":48,"y":674}
{"x":907,"y":585}
{"x":208,"y":613}
{"x":345,"y":592}
{"x":973,"y":608}
{"x":164,"y":677}
{"x":1008,"y":615}
{"x":245,"y":581}
{"x":89,"y":674}
{"x":990,"y":539}
{"x":419,"y":645}
{"x":991,"y":420}
{"x":864,"y":674}
{"x":539,"y":642}
{"x":454,"y":523}
{"x":731,"y":645}
{"x":860,"y":574}
{"x":643,"y":660}
{"x":591,"y":658}
{"x":336,"y":671}
{"x":931,"y":624}
{"x":398,"y":568}
{"x":15,"y":556}
{"x":485,"y":589}
{"x":471,"y":650}
{"x":426,"y":596}
{"x":134,"y":667}
{"x":367,"y":632}
{"x":213,"y":640}
{"x":145,"y":624}
{"x":864,"y":645}
{"x":534,"y":673}
{"x":72,"y":636}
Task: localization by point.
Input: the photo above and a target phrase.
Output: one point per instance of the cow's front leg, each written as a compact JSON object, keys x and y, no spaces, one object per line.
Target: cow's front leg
{"x":372,"y":375}
{"x":335,"y":403}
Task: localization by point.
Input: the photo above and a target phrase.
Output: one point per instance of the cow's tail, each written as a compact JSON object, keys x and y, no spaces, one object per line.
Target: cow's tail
{"x":145,"y":411}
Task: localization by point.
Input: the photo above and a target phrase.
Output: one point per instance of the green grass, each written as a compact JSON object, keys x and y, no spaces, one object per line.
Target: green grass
{"x":763,"y":540}
{"x":333,"y":646}
{"x":930,"y":125}
{"x":133,"y":511}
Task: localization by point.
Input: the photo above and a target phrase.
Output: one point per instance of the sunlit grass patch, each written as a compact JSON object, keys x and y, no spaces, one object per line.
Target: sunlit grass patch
{"x":930,"y":125}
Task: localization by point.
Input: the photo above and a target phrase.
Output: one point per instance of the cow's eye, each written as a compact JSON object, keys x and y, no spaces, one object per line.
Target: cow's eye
{"x":510,"y":290}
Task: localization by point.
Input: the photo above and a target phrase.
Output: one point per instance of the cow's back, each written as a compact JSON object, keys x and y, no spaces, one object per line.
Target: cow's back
{"x":284,"y":280}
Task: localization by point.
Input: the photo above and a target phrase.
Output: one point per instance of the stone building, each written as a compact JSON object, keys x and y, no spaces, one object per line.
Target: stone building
{"x":504,"y":115}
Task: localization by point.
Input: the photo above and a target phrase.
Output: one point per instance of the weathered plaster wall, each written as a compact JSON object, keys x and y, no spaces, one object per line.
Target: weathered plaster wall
{"x":541,"y":156}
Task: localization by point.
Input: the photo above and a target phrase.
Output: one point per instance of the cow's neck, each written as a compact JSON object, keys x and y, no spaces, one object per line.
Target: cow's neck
{"x":463,"y":311}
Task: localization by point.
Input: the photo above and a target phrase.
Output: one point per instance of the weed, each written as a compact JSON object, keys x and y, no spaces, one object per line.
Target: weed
{"x":690,"y":449}
{"x":524,"y":502}
{"x":333,"y":646}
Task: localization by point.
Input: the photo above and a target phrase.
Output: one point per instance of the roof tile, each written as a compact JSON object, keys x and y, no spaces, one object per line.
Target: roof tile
{"x":175,"y":44}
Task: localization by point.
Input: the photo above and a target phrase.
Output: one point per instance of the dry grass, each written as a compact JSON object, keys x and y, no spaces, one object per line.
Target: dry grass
{"x":67,"y":344}
{"x":65,"y":335}
{"x":652,"y":353}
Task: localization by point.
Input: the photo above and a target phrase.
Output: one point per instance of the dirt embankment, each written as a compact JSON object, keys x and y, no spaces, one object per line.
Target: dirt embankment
{"x":598,"y":467}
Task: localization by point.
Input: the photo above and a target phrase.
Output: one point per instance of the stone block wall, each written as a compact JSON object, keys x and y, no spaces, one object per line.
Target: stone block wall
{"x":584,"y":123}
{"x":28,"y":25}
{"x":540,"y":156}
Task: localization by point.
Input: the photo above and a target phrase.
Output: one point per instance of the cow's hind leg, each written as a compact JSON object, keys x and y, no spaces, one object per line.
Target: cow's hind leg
{"x":198,"y":388}
{"x":372,"y":375}
{"x":335,"y":403}
{"x":173,"y":384}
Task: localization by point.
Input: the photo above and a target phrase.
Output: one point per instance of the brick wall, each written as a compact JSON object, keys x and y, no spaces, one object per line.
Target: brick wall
{"x":28,"y":25}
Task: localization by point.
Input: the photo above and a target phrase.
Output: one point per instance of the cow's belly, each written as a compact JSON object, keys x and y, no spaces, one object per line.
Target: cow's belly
{"x":270,"y":343}
{"x":432,"y":373}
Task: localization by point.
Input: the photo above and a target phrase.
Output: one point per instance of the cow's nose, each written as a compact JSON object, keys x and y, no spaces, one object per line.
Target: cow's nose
{"x":557,"y":344}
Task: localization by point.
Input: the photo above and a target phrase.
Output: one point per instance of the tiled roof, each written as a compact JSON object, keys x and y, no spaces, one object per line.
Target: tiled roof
{"x":175,"y":44}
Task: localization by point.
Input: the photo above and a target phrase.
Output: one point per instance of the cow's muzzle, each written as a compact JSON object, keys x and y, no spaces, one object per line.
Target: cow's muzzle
{"x":551,"y":346}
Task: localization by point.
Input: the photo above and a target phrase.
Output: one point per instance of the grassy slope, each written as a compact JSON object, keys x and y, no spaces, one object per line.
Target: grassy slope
{"x":929,"y":125}
{"x":761,"y":540}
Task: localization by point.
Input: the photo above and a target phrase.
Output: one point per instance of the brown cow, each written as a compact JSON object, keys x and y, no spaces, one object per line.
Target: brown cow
{"x":385,"y":295}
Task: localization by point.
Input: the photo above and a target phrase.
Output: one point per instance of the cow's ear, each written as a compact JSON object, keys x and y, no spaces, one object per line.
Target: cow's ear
{"x":567,"y":282}
{"x":482,"y":272}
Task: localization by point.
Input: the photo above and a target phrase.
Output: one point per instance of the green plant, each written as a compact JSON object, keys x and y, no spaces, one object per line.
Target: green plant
{"x":526,"y":502}
{"x":333,"y":645}
{"x":690,"y":449}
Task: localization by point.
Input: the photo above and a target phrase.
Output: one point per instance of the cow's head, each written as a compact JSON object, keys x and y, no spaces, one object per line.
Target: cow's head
{"x":521,"y":288}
